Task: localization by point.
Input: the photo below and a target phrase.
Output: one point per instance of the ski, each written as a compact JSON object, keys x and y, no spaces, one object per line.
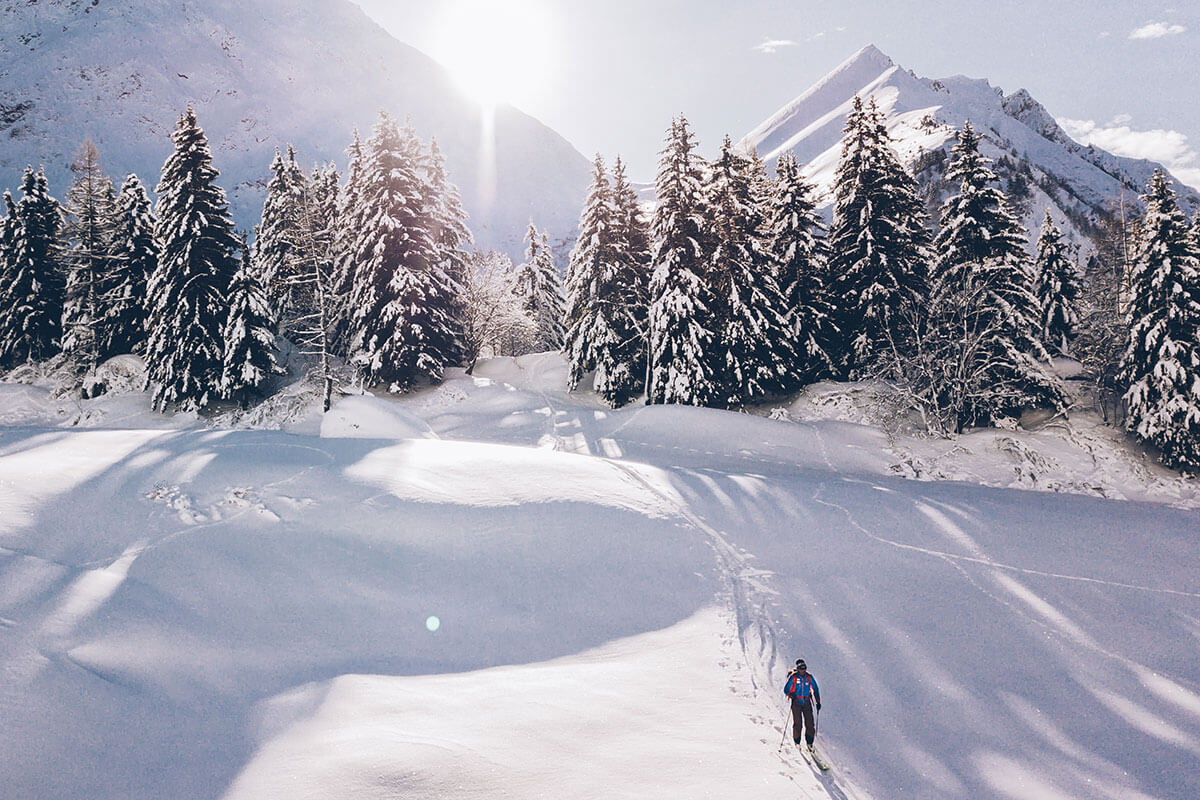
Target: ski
{"x":812,"y":757}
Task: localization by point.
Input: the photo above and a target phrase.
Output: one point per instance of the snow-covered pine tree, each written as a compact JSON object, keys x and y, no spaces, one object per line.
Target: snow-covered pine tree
{"x":540,"y":286}
{"x":1057,"y":286}
{"x":623,"y":376}
{"x":1162,"y":363}
{"x":31,"y":294}
{"x":9,"y":230}
{"x":276,"y":261}
{"x":754,"y":349}
{"x":877,"y":243}
{"x":249,"y":357}
{"x":682,"y":328}
{"x":452,"y":238}
{"x":603,"y":335}
{"x":350,"y":221}
{"x":981,"y":255}
{"x":403,"y":303}
{"x":89,"y":235}
{"x":588,"y":272}
{"x":134,"y":258}
{"x":186,"y":293}
{"x":798,"y":250}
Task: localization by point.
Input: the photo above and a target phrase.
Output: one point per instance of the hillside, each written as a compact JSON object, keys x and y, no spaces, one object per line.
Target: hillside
{"x":1034,"y":154}
{"x":493,"y":587}
{"x":260,"y":75}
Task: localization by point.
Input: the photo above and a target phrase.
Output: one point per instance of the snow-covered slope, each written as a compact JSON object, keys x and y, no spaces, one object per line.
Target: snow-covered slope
{"x":260,"y":74}
{"x":509,"y":591}
{"x":923,"y":115}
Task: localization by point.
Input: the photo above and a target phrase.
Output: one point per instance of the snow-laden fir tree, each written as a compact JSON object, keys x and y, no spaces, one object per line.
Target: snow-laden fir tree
{"x":1162,"y":363}
{"x":541,"y":290}
{"x":753,"y":353}
{"x":249,"y":340}
{"x":1057,"y":286}
{"x":981,"y":259}
{"x":682,"y":328}
{"x":877,"y":243}
{"x":403,"y":302}
{"x":602,"y":332}
{"x":625,"y":376}
{"x":31,"y":289}
{"x":798,"y":250}
{"x":589,"y":271}
{"x":9,"y":229}
{"x":89,"y":238}
{"x":350,"y":221}
{"x":134,"y":257}
{"x":276,"y":261}
{"x":186,"y":293}
{"x":452,"y":238}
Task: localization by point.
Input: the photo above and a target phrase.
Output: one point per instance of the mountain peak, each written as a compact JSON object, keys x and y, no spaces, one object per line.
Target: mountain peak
{"x":869,"y":54}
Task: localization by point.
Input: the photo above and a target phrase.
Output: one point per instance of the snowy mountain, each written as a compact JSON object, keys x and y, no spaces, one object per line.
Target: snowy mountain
{"x":260,"y":74}
{"x":495,"y":588}
{"x":1040,"y":163}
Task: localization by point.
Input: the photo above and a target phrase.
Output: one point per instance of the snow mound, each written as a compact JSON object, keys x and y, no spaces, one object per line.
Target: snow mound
{"x":369,"y":417}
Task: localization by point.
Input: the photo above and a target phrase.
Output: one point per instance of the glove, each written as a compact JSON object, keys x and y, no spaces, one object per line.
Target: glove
{"x":818,"y":706}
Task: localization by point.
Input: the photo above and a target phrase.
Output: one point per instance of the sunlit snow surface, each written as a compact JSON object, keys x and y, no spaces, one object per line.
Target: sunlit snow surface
{"x":495,"y":589}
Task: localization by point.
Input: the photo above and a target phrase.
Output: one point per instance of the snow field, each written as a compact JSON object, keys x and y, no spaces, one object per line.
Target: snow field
{"x":232,"y":614}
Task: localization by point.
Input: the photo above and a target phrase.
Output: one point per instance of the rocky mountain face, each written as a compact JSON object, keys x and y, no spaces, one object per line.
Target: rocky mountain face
{"x":1040,"y":165}
{"x":261,"y":74}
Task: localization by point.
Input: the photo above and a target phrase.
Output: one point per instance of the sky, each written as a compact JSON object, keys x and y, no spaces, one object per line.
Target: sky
{"x":610,"y":74}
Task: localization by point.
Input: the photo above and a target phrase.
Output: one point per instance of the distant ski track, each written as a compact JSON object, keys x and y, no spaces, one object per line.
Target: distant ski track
{"x":991,"y":563}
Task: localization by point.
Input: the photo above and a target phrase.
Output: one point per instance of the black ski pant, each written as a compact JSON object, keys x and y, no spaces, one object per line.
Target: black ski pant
{"x":802,"y":715}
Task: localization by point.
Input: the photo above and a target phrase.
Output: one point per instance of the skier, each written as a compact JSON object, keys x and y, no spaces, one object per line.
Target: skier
{"x":802,"y":688}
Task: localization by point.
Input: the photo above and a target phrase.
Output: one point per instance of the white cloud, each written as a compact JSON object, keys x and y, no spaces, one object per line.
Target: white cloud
{"x":770,"y":46}
{"x":1170,"y":148}
{"x":1157,"y":30}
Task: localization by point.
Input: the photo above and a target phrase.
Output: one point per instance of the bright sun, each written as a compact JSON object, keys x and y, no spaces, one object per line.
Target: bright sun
{"x":497,"y":50}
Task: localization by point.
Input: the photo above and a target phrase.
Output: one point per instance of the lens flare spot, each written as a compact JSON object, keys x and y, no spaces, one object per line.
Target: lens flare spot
{"x":432,"y":624}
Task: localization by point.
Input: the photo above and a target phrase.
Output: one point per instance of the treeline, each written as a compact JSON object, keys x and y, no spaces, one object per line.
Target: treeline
{"x":377,"y":271}
{"x":733,"y":292}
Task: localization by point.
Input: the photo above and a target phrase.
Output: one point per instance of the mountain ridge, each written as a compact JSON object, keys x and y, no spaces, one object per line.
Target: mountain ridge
{"x":267,"y":75}
{"x":923,"y":115}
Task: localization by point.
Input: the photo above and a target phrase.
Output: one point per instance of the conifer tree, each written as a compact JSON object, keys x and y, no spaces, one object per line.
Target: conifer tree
{"x":981,"y":257}
{"x":541,"y":288}
{"x":754,"y":349}
{"x":186,"y":294}
{"x":1057,"y":287}
{"x":403,"y":303}
{"x":1162,"y":362}
{"x":89,"y":234}
{"x":878,"y":243}
{"x":350,"y":222}
{"x":682,"y":332}
{"x":315,"y":243}
{"x":589,"y":272}
{"x":798,"y":250}
{"x":276,"y":260}
{"x":624,"y":374}
{"x":134,"y":258}
{"x":31,"y":294}
{"x":452,"y":237}
{"x":249,"y":357}
{"x":10,"y":227}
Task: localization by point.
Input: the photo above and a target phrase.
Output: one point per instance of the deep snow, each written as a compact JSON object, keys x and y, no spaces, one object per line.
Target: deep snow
{"x":493,"y":588}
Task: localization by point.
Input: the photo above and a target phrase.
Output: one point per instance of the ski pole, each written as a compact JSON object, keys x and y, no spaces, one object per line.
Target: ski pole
{"x":783,"y":738}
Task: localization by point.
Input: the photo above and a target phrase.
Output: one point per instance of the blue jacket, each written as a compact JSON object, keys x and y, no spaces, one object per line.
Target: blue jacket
{"x":802,"y":688}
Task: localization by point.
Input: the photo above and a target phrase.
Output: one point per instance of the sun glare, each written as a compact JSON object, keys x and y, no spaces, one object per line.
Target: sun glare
{"x":497,"y":50}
